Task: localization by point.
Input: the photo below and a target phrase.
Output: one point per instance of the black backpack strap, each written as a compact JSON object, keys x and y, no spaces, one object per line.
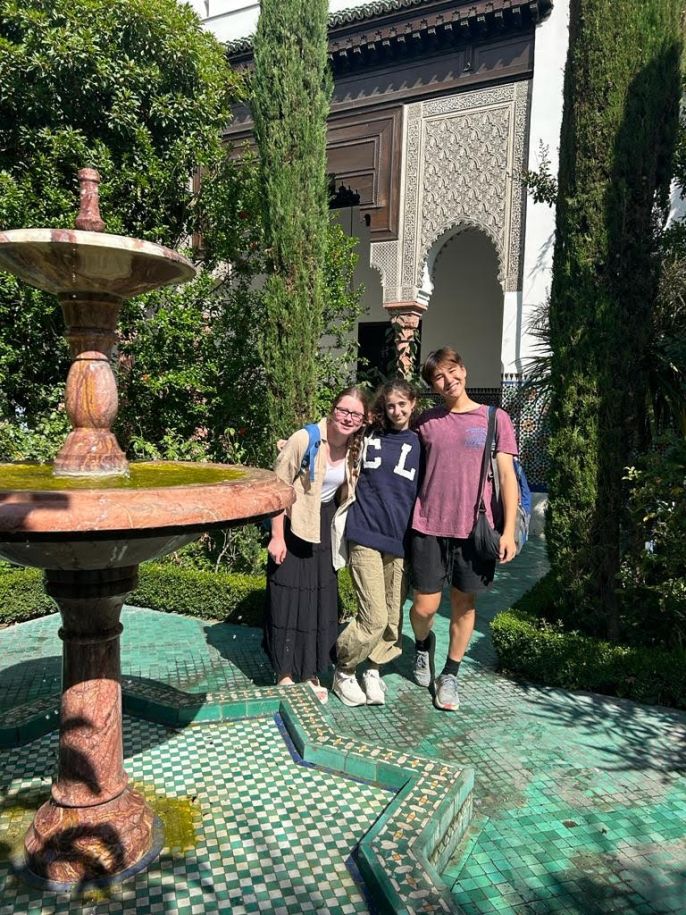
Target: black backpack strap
{"x":485,"y":463}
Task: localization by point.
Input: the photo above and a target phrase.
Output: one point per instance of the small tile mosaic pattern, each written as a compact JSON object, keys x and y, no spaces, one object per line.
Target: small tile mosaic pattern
{"x":530,"y":419}
{"x":267,"y":834}
{"x":419,"y":831}
{"x":579,"y":800}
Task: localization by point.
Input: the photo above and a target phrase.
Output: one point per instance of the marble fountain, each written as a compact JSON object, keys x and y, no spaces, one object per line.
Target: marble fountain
{"x":89,"y":521}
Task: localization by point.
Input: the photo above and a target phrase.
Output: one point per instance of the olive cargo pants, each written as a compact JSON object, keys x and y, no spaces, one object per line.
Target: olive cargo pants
{"x":380,"y":581}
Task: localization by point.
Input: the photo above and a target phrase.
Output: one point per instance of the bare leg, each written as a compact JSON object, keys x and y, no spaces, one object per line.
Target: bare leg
{"x":422,"y":613}
{"x":461,"y":623}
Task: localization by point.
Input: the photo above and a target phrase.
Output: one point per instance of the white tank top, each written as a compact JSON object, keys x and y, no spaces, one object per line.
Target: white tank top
{"x":333,"y":478}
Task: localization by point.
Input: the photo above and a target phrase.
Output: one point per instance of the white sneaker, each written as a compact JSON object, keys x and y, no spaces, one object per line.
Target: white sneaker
{"x":348,"y":689}
{"x":374,"y":687}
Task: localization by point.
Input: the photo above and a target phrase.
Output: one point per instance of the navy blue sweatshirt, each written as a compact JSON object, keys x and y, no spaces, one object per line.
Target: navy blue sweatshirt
{"x":379,"y":517}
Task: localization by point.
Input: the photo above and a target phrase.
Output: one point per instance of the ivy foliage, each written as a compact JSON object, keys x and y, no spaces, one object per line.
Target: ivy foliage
{"x":620,"y":120}
{"x":290,"y":95}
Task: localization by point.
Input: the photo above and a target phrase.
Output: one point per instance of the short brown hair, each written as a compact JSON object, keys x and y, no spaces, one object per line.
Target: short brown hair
{"x":436,"y":356}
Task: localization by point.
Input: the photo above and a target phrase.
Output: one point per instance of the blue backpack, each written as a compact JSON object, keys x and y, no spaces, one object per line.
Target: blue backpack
{"x":314,"y":440}
{"x":523,"y":518}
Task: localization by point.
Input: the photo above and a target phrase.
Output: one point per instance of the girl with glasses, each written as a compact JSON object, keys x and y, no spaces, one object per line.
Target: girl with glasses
{"x":377,"y":527}
{"x":301,"y":620}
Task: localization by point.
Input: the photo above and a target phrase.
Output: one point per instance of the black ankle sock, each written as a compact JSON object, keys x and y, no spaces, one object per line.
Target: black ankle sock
{"x":423,"y":644}
{"x":451,"y":667}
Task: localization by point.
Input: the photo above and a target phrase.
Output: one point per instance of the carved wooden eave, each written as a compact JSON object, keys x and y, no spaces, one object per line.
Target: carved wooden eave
{"x":401,"y":69}
{"x":381,"y":32}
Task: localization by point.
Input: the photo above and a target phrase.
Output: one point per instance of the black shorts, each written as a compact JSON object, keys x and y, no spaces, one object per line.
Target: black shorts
{"x":438,"y":561}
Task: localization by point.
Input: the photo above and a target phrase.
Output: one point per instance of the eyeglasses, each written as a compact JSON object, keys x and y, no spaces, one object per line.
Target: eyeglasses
{"x":355,"y":417}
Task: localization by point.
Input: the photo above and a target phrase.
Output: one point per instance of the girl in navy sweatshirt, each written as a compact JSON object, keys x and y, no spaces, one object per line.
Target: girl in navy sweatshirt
{"x":376,"y":529}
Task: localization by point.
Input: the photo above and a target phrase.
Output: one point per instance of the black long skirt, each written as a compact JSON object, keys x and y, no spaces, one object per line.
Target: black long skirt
{"x":301,"y":618}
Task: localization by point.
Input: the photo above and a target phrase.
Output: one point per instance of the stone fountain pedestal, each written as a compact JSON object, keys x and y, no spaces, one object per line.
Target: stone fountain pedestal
{"x":94,"y":824}
{"x":89,"y":526}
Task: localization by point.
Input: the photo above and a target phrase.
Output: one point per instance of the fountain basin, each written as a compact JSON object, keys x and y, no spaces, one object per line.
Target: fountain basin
{"x":63,"y":261}
{"x":77,"y":523}
{"x":89,"y":535}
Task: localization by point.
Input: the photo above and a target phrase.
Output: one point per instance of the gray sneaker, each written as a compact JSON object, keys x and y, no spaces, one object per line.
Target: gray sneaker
{"x":447,"y":696}
{"x":424,"y":663}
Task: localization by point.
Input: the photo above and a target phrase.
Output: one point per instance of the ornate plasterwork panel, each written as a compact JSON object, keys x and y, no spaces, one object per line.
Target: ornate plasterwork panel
{"x":384,"y":258}
{"x":463,"y":158}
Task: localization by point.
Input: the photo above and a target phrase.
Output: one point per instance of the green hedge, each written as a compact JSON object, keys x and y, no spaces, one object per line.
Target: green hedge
{"x":208,"y":595}
{"x":22,"y":596}
{"x":173,"y":589}
{"x":544,"y":652}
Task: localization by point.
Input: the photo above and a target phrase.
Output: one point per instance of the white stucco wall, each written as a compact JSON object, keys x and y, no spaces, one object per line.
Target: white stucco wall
{"x":233,"y":19}
{"x":677,"y":204}
{"x":348,"y":218}
{"x":546,"y":119}
{"x":466,"y":310}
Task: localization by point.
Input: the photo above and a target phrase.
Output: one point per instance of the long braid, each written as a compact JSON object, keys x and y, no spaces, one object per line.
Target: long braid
{"x":355,"y":451}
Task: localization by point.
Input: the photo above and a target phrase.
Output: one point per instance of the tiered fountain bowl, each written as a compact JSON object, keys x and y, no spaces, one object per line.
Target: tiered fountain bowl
{"x":88,"y":521}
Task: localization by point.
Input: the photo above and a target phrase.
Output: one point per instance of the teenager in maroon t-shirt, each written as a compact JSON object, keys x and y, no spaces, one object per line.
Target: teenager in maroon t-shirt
{"x":453,"y":438}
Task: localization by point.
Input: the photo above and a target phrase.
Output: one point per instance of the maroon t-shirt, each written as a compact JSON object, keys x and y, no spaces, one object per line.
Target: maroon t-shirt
{"x":453,"y":446}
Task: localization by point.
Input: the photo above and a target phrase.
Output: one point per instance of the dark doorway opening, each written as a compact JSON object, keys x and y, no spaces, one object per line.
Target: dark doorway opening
{"x":376,"y":351}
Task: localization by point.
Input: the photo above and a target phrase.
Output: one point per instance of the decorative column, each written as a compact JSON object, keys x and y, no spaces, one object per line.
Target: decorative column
{"x":405,"y":317}
{"x":94,"y":826}
{"x":91,"y":396}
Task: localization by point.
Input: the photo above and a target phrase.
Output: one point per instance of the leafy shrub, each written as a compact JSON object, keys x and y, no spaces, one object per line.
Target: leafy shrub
{"x":346,"y":595}
{"x":209,"y":595}
{"x":137,"y":90}
{"x":653,"y":572}
{"x":241,"y":549}
{"x":40,"y":441}
{"x":544,"y":652}
{"x":22,"y":596}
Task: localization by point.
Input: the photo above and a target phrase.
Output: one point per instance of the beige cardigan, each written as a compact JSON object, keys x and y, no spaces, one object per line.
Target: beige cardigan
{"x":305,"y":513}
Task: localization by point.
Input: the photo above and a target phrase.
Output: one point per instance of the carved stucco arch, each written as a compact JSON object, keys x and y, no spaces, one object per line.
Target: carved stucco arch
{"x":378,"y":267}
{"x":437,"y":245}
{"x":463,"y":155}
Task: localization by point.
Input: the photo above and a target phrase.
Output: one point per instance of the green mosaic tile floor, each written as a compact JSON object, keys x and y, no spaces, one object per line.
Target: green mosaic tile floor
{"x":262,"y":832}
{"x":580,"y":800}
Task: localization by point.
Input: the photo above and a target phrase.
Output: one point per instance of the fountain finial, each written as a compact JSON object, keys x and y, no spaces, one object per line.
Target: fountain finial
{"x":89,"y":213}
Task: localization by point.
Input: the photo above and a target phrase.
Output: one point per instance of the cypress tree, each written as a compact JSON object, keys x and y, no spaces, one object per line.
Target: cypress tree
{"x":621,"y":101}
{"x":291,"y":92}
